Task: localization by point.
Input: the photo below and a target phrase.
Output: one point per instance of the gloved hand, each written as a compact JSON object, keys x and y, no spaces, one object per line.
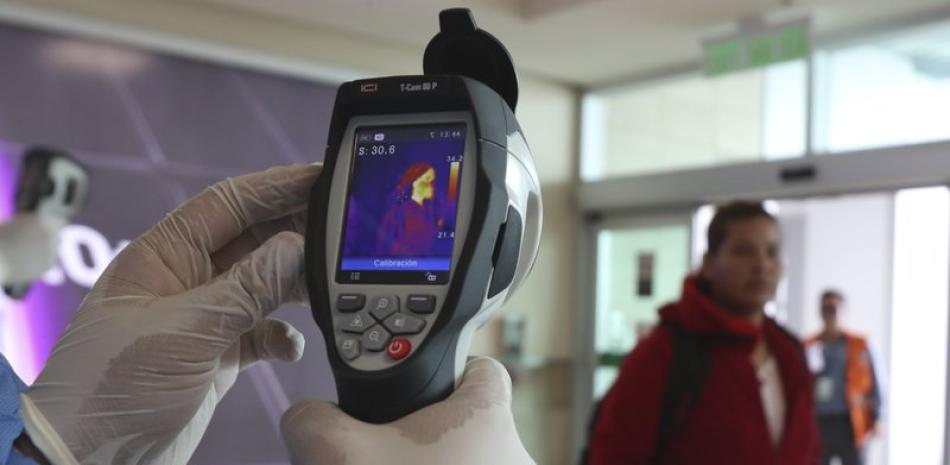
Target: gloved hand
{"x":28,"y":246}
{"x":162,"y":335}
{"x":474,"y":426}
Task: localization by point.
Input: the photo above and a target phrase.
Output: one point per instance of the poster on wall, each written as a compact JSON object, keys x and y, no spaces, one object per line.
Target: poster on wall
{"x":645,"y":270}
{"x":154,"y":130}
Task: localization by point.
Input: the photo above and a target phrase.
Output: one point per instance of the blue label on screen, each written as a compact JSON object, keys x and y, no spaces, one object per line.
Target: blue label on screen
{"x":396,"y":264}
{"x":403,"y":199}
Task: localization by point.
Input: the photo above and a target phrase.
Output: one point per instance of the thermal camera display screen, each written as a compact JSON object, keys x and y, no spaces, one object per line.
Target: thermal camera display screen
{"x":402,"y":205}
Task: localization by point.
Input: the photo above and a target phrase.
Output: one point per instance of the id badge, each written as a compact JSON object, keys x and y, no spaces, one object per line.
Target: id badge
{"x":824,"y":388}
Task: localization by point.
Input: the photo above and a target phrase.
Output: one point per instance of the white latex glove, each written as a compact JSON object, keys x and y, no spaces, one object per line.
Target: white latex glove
{"x":28,"y":245}
{"x":162,"y":335}
{"x":474,"y":426}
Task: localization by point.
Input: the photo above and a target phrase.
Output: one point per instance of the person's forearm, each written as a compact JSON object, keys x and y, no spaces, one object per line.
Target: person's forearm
{"x":25,"y":447}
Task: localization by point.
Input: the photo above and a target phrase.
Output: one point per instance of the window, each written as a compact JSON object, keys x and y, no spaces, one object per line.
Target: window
{"x":887,"y":92}
{"x":696,"y":122}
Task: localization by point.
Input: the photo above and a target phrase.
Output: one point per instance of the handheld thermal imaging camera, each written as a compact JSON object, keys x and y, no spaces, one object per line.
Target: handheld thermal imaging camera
{"x":51,"y":183}
{"x":425,"y":219}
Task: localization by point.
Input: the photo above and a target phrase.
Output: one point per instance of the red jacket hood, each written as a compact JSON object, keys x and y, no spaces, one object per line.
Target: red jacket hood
{"x":696,"y":313}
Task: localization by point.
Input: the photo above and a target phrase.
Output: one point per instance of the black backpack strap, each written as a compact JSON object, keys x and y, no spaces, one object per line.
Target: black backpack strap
{"x":687,"y":376}
{"x":688,"y":371}
{"x":591,"y":427}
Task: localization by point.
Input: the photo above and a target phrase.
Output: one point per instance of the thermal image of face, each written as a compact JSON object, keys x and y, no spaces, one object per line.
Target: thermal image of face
{"x":410,"y":225}
{"x":423,"y":187}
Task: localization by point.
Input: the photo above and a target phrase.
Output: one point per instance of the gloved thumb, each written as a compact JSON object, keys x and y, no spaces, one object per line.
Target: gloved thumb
{"x":485,"y":381}
{"x":271,"y":275}
{"x":318,"y":432}
{"x":485,"y":391}
{"x":271,"y":339}
{"x":473,"y":426}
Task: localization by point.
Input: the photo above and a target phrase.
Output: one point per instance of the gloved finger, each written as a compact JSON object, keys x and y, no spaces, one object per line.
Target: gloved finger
{"x":315,"y":431}
{"x":227,"y":208}
{"x":296,"y":222}
{"x":271,"y":275}
{"x":271,"y":339}
{"x":187,"y":237}
{"x":254,"y":236}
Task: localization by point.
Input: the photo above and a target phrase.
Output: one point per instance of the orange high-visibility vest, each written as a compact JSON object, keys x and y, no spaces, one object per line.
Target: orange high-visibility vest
{"x":859,"y":382}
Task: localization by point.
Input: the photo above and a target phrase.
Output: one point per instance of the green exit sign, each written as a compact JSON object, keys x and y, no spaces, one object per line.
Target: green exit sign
{"x":757,"y":49}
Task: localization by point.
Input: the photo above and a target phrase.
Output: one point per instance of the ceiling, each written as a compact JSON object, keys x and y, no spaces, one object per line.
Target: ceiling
{"x":579,"y":42}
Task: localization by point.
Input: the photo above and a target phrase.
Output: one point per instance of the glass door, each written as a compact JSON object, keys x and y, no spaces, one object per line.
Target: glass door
{"x":640,"y":265}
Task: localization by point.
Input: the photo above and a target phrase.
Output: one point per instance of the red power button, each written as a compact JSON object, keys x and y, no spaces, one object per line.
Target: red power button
{"x":399,"y":348}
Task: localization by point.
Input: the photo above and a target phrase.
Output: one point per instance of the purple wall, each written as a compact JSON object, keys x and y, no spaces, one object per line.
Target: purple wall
{"x":154,"y":130}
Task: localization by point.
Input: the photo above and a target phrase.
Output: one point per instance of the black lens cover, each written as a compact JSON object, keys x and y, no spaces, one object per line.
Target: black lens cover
{"x":462,"y":49}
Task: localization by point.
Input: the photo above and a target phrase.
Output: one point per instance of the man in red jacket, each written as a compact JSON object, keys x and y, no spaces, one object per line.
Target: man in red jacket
{"x":717,"y":382}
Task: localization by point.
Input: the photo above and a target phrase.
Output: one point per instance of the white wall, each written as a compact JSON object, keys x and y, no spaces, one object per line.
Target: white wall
{"x":844,"y":243}
{"x":848,"y":243}
{"x":547,"y":112}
